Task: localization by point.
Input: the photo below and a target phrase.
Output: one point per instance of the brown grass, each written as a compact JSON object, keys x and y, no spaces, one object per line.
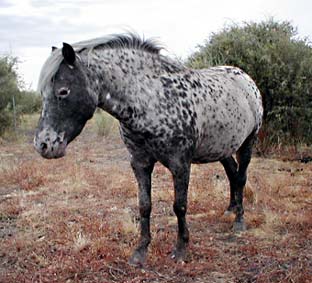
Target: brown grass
{"x":76,"y":219}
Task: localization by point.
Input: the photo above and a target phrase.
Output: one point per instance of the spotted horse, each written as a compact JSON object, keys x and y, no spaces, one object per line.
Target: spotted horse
{"x":167,"y":113}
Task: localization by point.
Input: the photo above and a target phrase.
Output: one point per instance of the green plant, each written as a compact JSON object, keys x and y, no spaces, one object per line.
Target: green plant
{"x":8,"y":91}
{"x":14,"y":100}
{"x":28,"y":102}
{"x":105,"y":123}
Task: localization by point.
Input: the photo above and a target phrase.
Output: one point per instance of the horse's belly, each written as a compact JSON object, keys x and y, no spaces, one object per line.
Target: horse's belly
{"x":212,"y":148}
{"x":210,"y":154}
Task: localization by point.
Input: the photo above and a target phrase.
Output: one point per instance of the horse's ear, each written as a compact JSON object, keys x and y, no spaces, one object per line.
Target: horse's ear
{"x":53,"y":49}
{"x":68,"y":54}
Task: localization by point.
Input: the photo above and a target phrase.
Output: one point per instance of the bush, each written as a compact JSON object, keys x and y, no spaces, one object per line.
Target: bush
{"x":105,"y":123}
{"x":28,"y":102}
{"x":6,"y":120}
{"x":14,"y":101}
{"x":281,"y":65}
{"x":8,"y":90}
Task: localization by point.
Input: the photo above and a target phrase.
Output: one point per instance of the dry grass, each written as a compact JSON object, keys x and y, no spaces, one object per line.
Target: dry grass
{"x":76,"y":219}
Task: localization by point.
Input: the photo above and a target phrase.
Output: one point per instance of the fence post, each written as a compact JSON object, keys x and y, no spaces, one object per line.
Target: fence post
{"x":14,"y":114}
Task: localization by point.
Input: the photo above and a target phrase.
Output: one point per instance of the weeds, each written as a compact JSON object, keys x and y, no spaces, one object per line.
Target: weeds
{"x":27,"y":176}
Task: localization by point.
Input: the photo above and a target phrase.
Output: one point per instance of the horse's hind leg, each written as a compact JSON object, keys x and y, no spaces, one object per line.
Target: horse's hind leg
{"x":143,"y":171}
{"x":243,"y":158}
{"x":230,"y":167}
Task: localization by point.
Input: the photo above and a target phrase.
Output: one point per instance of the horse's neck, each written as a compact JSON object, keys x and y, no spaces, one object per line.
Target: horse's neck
{"x":116,"y":77}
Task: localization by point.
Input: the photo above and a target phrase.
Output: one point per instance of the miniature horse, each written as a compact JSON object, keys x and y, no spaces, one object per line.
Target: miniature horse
{"x":167,"y":113}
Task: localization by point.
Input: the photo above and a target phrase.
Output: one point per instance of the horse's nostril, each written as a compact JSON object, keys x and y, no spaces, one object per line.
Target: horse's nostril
{"x":43,"y":146}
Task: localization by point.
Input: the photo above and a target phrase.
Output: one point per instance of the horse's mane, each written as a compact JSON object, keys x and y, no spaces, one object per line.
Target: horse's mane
{"x":128,"y":40}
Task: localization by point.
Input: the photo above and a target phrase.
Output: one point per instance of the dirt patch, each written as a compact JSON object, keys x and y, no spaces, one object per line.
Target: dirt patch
{"x":76,"y":219}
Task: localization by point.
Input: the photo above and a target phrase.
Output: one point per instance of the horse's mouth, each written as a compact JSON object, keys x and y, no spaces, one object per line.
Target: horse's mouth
{"x":54,"y":152}
{"x":50,"y":150}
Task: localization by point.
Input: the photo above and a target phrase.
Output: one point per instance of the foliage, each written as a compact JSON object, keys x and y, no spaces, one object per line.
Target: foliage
{"x":14,"y":101}
{"x":8,"y":89}
{"x":105,"y":123}
{"x":28,"y":102}
{"x":280,"y":63}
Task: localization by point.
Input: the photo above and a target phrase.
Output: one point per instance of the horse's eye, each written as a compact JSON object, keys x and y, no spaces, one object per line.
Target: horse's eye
{"x":63,"y":92}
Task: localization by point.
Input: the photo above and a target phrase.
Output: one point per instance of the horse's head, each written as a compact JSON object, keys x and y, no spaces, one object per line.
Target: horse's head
{"x":67,"y":103}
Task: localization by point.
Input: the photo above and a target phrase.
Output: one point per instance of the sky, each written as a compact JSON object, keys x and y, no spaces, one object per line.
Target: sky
{"x":29,"y":28}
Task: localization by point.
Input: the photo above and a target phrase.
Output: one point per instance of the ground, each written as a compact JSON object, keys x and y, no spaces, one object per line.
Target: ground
{"x":75,"y":219}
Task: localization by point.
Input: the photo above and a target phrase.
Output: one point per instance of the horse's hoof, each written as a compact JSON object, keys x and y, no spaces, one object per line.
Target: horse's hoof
{"x":179,"y":256}
{"x":137,"y":259}
{"x":228,"y":212}
{"x":239,"y":226}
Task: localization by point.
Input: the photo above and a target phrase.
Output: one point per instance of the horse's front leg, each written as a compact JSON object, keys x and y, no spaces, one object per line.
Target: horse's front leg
{"x":143,"y":171}
{"x":181,"y":175}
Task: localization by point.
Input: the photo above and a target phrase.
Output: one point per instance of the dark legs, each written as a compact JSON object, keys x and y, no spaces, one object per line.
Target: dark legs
{"x":230,"y":167}
{"x":143,"y":172}
{"x":181,"y":175}
{"x":238,"y":176}
{"x":180,"y":169}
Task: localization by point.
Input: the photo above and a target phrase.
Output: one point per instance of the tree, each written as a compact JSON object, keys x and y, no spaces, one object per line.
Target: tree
{"x":280,"y":63}
{"x":10,"y":88}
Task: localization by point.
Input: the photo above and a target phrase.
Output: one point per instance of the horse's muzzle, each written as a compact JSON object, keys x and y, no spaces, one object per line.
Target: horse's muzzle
{"x":50,"y":144}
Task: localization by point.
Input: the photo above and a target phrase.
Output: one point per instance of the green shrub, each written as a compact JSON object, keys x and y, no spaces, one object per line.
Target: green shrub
{"x":6,"y":121}
{"x":105,"y":123}
{"x":280,"y":63}
{"x":14,"y":101}
{"x":8,"y":90}
{"x":28,"y":102}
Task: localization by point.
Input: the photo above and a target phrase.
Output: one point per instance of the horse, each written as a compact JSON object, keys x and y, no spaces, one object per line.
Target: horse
{"x":167,"y":113}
